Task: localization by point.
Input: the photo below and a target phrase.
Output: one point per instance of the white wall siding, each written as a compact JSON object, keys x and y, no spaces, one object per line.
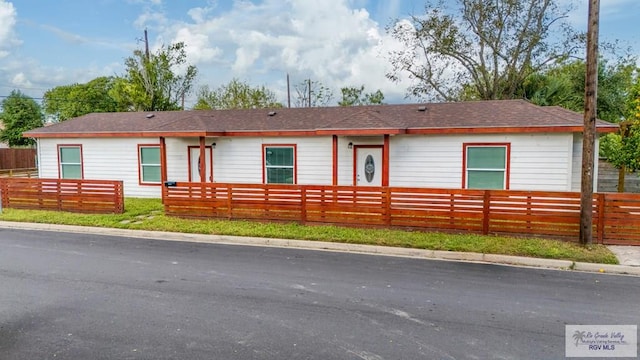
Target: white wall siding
{"x":102,"y":159}
{"x":239,"y":159}
{"x":538,"y":161}
{"x":576,"y":171}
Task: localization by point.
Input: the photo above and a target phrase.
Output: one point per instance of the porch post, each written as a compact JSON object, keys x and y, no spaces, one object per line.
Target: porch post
{"x":163,"y":159}
{"x":202,"y":164}
{"x":335,"y":160}
{"x":163,"y":165}
{"x":385,"y":161}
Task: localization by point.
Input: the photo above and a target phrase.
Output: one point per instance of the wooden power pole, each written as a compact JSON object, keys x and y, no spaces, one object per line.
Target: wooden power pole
{"x":146,"y":44}
{"x":589,"y":133}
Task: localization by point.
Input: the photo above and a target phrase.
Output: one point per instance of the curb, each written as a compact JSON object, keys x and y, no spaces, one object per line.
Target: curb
{"x":508,"y":260}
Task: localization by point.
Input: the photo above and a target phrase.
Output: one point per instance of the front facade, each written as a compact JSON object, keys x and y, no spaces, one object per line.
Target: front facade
{"x":362,"y":147}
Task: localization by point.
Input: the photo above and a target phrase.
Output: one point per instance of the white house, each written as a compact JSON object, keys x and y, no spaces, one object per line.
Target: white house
{"x":510,"y":144}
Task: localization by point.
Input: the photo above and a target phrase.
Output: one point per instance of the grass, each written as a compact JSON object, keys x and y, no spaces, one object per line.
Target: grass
{"x":147,"y":214}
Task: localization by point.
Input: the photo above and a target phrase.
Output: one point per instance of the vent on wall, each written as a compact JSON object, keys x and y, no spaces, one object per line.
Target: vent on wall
{"x":149,"y":116}
{"x":272,"y":113}
{"x":422,"y":108}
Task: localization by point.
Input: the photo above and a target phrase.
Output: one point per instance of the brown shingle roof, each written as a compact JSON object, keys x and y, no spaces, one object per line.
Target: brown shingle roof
{"x":479,"y":116}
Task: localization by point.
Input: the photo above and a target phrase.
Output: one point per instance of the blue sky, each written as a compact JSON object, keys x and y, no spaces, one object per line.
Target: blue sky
{"x":47,"y":43}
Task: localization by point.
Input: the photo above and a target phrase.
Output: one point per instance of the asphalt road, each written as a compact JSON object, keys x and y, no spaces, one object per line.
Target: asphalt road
{"x":80,"y":296}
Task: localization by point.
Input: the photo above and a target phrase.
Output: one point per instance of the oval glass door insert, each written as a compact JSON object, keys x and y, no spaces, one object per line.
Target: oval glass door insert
{"x":369,"y":168}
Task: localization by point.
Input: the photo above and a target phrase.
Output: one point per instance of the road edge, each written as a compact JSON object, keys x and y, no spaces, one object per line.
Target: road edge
{"x":508,"y":260}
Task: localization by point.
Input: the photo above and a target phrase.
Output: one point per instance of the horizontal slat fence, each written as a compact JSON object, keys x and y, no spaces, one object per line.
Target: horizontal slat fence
{"x":525,"y":213}
{"x":83,"y":196}
{"x":620,"y":218}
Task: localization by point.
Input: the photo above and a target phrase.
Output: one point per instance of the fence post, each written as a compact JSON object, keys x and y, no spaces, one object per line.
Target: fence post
{"x":386,"y":193}
{"x":303,"y":204}
{"x":486,"y":210}
{"x":229,"y":201}
{"x":601,"y":198}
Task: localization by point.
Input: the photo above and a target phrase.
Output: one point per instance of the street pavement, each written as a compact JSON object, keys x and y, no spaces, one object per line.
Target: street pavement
{"x":78,"y":295}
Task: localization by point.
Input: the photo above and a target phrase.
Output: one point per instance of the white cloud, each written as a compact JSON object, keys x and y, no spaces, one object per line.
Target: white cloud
{"x":260,"y":42}
{"x":8,"y":17}
{"x":20,"y":80}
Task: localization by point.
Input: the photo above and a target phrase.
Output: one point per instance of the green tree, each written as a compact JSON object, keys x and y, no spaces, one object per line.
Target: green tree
{"x":622,"y":149}
{"x":69,"y":101}
{"x":153,"y":83}
{"x":20,"y":113}
{"x":312,"y":94}
{"x":236,"y":95}
{"x":564,"y":85}
{"x":491,"y":46}
{"x":353,"y":96}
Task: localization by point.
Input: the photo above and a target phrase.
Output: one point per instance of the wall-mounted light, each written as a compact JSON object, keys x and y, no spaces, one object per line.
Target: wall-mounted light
{"x":350,"y":145}
{"x":213,"y":145}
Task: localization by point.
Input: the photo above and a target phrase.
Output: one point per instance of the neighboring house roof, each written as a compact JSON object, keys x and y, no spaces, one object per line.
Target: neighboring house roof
{"x":500,"y":116}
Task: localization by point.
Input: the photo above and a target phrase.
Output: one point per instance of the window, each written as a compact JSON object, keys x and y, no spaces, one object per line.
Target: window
{"x":70,"y":159}
{"x":279,"y":164}
{"x":149,"y":159}
{"x":486,"y":166}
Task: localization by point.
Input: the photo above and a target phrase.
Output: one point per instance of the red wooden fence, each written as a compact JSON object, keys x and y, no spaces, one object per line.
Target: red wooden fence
{"x":526,"y":213}
{"x":17,"y":158}
{"x":84,"y":196}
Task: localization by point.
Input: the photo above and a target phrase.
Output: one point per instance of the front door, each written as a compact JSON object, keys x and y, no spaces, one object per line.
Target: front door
{"x":368,"y":166}
{"x":194,"y":164}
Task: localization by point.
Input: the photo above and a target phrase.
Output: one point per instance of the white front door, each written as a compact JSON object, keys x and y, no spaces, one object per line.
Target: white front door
{"x":194,"y":164}
{"x":369,"y":166}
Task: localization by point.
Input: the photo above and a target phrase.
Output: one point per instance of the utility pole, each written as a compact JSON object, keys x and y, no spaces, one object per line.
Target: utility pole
{"x":146,"y":44}
{"x":288,"y":92}
{"x":589,"y":132}
{"x":309,"y":92}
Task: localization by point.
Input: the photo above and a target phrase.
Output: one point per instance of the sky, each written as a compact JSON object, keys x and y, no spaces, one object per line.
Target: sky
{"x":48,"y":43}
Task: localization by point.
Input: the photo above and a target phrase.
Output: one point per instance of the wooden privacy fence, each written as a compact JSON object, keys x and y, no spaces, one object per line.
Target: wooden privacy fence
{"x":17,"y":158}
{"x":531,"y":213}
{"x":83,"y":196}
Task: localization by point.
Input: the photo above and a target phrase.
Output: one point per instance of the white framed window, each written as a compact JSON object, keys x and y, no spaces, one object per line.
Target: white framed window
{"x":486,"y":166}
{"x":279,"y":164}
{"x":149,"y":164}
{"x":70,"y":161}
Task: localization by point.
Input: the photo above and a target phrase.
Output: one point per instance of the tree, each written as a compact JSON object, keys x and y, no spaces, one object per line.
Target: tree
{"x":622,"y":150}
{"x":564,"y":85}
{"x":236,"y":95}
{"x":312,"y":94}
{"x":152,"y":82}
{"x":20,"y":113}
{"x":69,"y":101}
{"x":353,"y":96}
{"x":491,"y":46}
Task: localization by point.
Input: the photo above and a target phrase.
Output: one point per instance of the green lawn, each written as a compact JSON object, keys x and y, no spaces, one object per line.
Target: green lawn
{"x":147,"y":214}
